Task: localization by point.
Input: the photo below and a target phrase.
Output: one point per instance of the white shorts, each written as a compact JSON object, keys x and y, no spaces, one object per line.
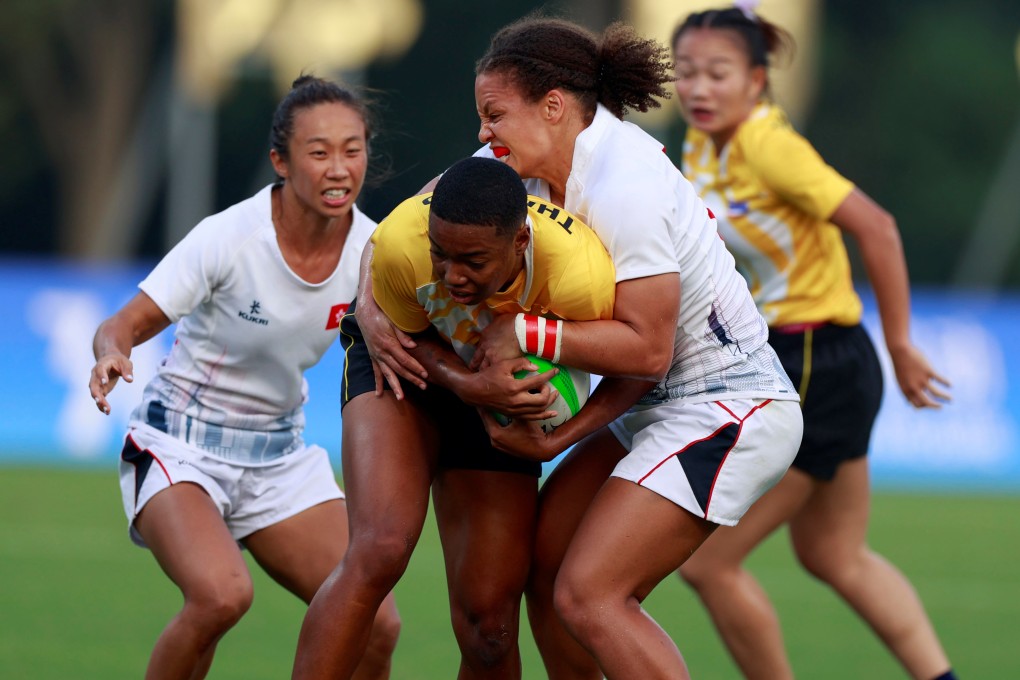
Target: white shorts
{"x":714,"y":459}
{"x":249,"y":498}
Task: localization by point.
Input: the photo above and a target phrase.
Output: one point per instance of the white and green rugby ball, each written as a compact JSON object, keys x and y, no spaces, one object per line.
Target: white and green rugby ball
{"x":570,"y":385}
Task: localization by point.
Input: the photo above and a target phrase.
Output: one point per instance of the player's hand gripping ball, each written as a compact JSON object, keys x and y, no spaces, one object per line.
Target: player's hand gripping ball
{"x":571,"y":387}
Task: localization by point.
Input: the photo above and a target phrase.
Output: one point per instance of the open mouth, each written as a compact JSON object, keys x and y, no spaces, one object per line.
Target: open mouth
{"x":500,"y":151}
{"x":461,"y":297}
{"x":336,"y":196}
{"x":701,"y":115}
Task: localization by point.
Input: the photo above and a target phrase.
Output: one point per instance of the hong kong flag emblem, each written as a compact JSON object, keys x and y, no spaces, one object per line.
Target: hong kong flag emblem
{"x":335,"y":313}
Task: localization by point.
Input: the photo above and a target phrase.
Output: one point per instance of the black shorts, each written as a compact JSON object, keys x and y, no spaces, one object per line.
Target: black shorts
{"x":463,"y":441}
{"x":836,"y":371}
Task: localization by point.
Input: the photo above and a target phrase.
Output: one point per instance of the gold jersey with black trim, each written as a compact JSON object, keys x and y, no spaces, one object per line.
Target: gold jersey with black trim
{"x":567,"y":275}
{"x":772,"y":196}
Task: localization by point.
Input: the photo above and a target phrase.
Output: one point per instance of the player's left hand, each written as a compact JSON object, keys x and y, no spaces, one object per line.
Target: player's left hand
{"x":496,"y":387}
{"x":498,"y":342}
{"x":918,"y":380}
{"x":521,"y":438}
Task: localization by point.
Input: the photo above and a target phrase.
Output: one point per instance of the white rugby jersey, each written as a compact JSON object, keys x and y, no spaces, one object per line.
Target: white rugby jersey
{"x":247,"y":329}
{"x":652,"y":222}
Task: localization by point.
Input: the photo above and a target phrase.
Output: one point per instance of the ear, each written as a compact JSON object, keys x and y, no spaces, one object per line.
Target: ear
{"x":279,"y":164}
{"x":554,"y":105}
{"x":521,"y":239}
{"x":759,"y":81}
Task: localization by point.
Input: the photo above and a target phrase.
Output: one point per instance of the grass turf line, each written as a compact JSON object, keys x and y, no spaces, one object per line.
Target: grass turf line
{"x":79,"y":600}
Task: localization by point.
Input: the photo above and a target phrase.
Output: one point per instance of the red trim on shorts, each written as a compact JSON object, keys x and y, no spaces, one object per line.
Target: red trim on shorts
{"x":738,"y":418}
{"x":723,"y":407}
{"x":711,"y":490}
{"x":154,"y":457}
{"x":719,"y":468}
{"x":677,"y":453}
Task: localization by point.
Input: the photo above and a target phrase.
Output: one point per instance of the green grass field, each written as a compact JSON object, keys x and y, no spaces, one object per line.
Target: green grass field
{"x":78,"y":600}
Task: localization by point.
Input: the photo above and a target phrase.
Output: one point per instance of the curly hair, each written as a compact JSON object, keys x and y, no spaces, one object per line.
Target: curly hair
{"x":618,"y":69}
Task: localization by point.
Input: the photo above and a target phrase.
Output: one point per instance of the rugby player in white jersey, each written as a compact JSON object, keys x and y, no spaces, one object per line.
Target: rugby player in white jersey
{"x":214,"y":458}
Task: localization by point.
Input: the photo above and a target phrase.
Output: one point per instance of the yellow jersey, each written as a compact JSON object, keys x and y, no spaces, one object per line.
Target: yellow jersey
{"x":773,"y":195}
{"x":567,"y":275}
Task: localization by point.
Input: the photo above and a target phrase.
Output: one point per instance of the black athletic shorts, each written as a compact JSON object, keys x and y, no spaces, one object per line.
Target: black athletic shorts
{"x":836,"y":371}
{"x":463,"y":441}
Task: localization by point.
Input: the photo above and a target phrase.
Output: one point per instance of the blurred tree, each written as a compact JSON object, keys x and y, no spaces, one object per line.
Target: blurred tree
{"x":917,"y":101}
{"x":80,"y":67}
{"x":430,"y":120}
{"x":920,"y":103}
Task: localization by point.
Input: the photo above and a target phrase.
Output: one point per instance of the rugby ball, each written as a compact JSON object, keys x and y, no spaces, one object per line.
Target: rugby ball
{"x":570,"y":385}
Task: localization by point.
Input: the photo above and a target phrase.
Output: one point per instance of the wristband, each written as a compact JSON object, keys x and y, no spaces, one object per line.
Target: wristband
{"x":539,"y":336}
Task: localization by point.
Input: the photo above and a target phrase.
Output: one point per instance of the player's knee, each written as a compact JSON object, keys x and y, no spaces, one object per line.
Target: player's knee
{"x":217,"y":607}
{"x":487,"y":632}
{"x":694,"y":576}
{"x":826,"y":565}
{"x":704,"y":575}
{"x":380,"y":557}
{"x":576,"y":602}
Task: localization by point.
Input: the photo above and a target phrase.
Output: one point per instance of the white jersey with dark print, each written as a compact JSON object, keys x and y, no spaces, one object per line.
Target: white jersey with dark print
{"x":652,"y":222}
{"x":247,"y":329}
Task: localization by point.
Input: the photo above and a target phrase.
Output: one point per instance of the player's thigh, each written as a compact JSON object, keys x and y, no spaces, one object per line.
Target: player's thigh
{"x":629,"y":540}
{"x":301,"y":551}
{"x":486,"y":521}
{"x":388,"y":459}
{"x":568,"y":491}
{"x":832,"y":525}
{"x":183,"y":528}
{"x":730,"y":545}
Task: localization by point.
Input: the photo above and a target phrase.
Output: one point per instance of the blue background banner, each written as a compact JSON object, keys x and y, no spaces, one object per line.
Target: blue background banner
{"x":52,"y":309}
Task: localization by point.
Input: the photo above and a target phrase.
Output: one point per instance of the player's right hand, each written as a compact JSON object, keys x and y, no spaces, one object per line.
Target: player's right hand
{"x":387,"y":346}
{"x":105,"y":373}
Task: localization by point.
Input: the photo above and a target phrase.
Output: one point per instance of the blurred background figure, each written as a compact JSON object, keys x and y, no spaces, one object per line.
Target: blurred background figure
{"x":780,"y":208}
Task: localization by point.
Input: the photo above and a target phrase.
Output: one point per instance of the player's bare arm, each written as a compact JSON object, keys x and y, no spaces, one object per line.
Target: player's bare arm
{"x":139,"y":320}
{"x":611,"y":398}
{"x":878,"y":239}
{"x":494,"y":387}
{"x":387,"y":345}
{"x":637,"y":343}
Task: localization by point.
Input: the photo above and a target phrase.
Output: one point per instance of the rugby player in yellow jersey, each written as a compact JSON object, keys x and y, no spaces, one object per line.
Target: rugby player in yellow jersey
{"x":443,"y":265}
{"x":780,"y":210}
